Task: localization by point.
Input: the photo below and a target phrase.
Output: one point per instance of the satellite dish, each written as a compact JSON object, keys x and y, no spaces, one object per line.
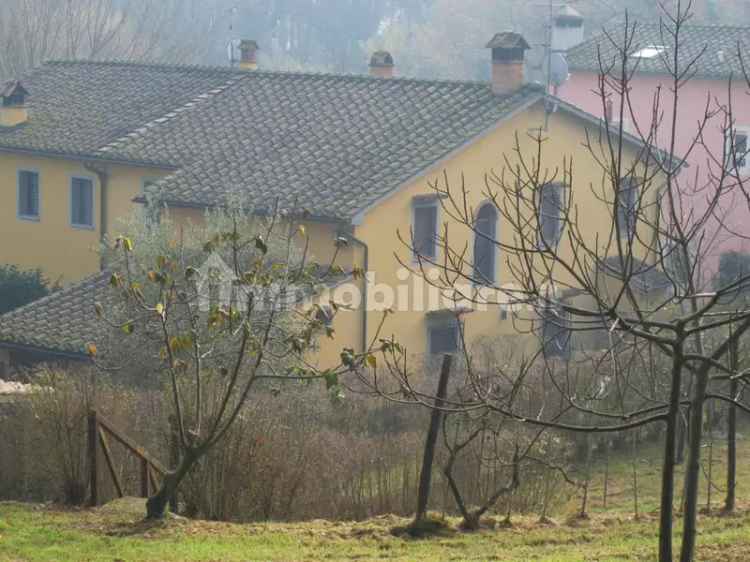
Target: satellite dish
{"x":559,"y":70}
{"x":233,"y":49}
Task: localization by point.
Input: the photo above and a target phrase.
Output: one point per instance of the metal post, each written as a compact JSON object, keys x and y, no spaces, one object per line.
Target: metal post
{"x":144,"y":478}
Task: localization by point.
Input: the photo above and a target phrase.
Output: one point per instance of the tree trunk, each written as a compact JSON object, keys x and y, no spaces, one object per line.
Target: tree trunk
{"x":682,"y":437}
{"x":668,"y":469}
{"x":693,"y":466}
{"x":425,"y":477}
{"x":156,"y":505}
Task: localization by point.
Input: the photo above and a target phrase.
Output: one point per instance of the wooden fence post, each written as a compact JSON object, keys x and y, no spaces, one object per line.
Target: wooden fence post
{"x":144,"y":478}
{"x":425,"y":477}
{"x":93,"y":437}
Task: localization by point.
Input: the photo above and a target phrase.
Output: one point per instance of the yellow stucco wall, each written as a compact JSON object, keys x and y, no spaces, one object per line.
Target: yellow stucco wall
{"x":70,"y":254}
{"x":379,"y":225}
{"x":65,"y":253}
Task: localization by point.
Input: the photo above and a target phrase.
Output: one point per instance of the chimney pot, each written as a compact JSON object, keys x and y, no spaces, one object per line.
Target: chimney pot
{"x":381,"y":64}
{"x":508,"y":53}
{"x":249,"y":54}
{"x":13,"y":110}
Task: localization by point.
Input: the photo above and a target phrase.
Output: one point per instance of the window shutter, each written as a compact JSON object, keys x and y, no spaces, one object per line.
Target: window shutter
{"x":425,"y":230}
{"x":28,"y":194}
{"x":550,"y":214}
{"x":82,"y":202}
{"x":484,"y":244}
{"x":626,"y":208}
{"x":443,"y":339}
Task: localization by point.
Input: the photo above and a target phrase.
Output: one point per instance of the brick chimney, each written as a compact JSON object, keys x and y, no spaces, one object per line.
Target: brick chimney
{"x":249,"y":54}
{"x":381,"y":65}
{"x":508,"y":53}
{"x":13,"y":109}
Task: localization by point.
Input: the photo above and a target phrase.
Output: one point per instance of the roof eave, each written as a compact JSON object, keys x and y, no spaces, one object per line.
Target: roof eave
{"x":50,"y":351}
{"x":84,"y":157}
{"x":178,"y":204}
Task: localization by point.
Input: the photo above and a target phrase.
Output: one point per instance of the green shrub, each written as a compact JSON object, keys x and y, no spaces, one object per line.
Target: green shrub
{"x":19,"y":287}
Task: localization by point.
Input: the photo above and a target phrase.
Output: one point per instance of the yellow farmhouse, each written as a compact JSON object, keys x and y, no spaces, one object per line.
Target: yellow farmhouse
{"x":81,"y":142}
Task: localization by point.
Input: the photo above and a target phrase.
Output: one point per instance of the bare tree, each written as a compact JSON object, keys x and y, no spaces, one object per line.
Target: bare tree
{"x":33,"y":31}
{"x":630,"y":292}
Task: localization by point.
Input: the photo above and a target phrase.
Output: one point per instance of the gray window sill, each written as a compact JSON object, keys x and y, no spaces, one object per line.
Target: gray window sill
{"x":29,"y":218}
{"x":83,"y":226}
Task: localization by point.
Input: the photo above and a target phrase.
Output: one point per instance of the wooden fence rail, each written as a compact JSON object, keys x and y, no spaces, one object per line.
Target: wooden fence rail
{"x":99,"y":431}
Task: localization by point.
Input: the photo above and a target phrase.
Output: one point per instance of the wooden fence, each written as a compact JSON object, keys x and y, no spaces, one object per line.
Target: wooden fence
{"x":99,"y":431}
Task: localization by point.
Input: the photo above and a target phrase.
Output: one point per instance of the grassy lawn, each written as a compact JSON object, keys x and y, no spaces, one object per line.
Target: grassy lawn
{"x":116,"y":532}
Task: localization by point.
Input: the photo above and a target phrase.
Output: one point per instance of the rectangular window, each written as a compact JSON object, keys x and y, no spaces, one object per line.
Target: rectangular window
{"x":153,"y":205}
{"x":28,"y":194}
{"x":443,"y":334}
{"x":551,"y":214}
{"x":737,"y":147}
{"x":556,"y":333}
{"x":627,"y":207}
{"x":82,"y":202}
{"x":425,"y":228}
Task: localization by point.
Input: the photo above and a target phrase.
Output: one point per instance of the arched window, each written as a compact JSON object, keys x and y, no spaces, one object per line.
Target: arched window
{"x":485,"y":232}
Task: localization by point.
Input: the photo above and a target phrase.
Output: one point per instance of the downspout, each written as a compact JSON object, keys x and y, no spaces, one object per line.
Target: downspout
{"x":103,"y":178}
{"x":366,"y":268}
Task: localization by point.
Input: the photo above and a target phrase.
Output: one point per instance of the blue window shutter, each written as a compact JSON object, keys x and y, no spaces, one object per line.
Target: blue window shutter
{"x":82,"y":202}
{"x":28,"y":194}
{"x":425,"y":230}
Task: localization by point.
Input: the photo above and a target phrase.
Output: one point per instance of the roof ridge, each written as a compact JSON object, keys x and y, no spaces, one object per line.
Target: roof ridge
{"x":171,"y":114}
{"x":144,"y":64}
{"x":271,"y":72}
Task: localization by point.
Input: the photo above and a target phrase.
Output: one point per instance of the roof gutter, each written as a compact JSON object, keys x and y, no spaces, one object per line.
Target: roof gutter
{"x":44,"y":351}
{"x":258,"y":212}
{"x":366,"y":268}
{"x":87,"y":158}
{"x":103,"y":177}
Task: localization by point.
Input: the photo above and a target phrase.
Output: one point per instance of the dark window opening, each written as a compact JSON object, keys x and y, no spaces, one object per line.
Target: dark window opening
{"x":28,"y":194}
{"x":443,"y":336}
{"x":627,"y":207}
{"x":485,"y":244}
{"x":153,"y":203}
{"x":737,"y":152}
{"x":425,"y":229}
{"x":551,"y":214}
{"x":15,"y":100}
{"x":556,"y":333}
{"x":82,"y":202}
{"x":734,"y":271}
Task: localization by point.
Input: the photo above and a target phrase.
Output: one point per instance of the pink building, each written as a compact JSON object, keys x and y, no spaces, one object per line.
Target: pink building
{"x":717,"y":49}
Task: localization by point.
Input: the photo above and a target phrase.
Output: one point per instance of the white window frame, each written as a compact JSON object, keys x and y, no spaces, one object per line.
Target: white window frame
{"x":21,"y":216}
{"x":75,"y":225}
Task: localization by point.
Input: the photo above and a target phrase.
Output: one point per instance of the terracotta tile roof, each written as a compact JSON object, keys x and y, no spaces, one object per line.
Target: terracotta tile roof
{"x":64,"y":321}
{"x":76,"y":108}
{"x":716,"y":46}
{"x":331,"y":144}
